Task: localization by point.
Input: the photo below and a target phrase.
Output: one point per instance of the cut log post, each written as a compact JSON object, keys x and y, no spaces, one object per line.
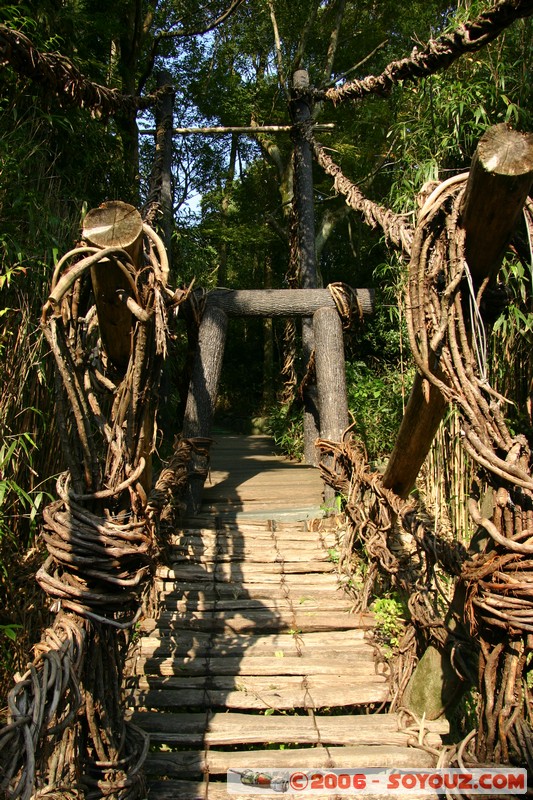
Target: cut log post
{"x":305,"y":214}
{"x":330,"y":379}
{"x":202,"y":396}
{"x":114,"y":224}
{"x":500,"y":179}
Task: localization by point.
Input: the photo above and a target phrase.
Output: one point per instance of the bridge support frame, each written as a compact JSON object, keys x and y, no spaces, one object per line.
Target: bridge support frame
{"x":329,"y":359}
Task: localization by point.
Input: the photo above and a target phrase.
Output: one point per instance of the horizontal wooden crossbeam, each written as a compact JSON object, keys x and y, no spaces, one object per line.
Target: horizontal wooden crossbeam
{"x":281,"y":302}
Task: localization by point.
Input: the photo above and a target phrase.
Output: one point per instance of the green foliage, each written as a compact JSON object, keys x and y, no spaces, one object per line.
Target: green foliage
{"x":285,"y":425}
{"x":390,"y":615}
{"x":511,"y":347}
{"x":375,"y":403}
{"x":15,"y":500}
{"x":10,"y":632}
{"x":438,"y":122}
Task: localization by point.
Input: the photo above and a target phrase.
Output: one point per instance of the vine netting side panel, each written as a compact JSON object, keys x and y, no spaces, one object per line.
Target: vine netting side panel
{"x":66,"y":735}
{"x":496,"y":581}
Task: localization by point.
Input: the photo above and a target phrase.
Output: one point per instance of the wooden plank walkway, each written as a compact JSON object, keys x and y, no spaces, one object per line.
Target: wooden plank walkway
{"x":253,"y":658}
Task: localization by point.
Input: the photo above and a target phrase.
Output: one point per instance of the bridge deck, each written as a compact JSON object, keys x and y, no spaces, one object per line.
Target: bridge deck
{"x":252,"y":658}
{"x":248,"y":479}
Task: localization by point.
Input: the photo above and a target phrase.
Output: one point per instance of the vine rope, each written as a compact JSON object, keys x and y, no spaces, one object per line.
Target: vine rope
{"x":437,"y":55}
{"x":66,"y":735}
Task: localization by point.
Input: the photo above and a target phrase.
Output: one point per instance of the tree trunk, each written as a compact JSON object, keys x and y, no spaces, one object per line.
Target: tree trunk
{"x":498,"y":184}
{"x":268,"y":345}
{"x":281,"y":302}
{"x":161,"y":177}
{"x":222,"y":272}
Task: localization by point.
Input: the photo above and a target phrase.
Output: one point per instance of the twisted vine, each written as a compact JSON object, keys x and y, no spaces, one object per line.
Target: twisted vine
{"x":66,"y":735}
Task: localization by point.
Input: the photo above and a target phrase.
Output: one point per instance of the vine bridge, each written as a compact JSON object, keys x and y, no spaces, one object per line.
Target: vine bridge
{"x":200,"y":621}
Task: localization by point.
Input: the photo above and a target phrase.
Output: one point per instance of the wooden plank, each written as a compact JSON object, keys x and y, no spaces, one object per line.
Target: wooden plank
{"x":281,"y":302}
{"x":216,"y":762}
{"x":252,"y":555}
{"x":260,"y":539}
{"x":171,"y":667}
{"x":244,"y":572}
{"x":374,"y":691}
{"x":257,"y":537}
{"x":347,"y":672}
{"x":218,"y":790}
{"x":258,"y":620}
{"x":178,"y":603}
{"x":234,"y":728}
{"x":255,"y":665}
{"x":295,"y":586}
{"x":199,"y":643}
{"x":190,"y":790}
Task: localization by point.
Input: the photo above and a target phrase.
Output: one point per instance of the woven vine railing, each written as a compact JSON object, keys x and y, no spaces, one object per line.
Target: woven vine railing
{"x":446,"y":336}
{"x":66,"y":735}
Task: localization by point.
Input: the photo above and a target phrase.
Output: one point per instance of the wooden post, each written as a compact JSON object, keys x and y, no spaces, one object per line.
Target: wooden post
{"x":114,"y":224}
{"x":499,"y":181}
{"x":303,"y":179}
{"x":202,"y":395}
{"x":330,"y":378}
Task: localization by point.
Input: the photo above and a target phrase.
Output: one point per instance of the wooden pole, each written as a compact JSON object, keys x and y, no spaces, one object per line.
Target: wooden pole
{"x":330,"y":378}
{"x":303,"y":179}
{"x":202,"y":395}
{"x":500,"y":179}
{"x":281,"y":302}
{"x":114,"y":224}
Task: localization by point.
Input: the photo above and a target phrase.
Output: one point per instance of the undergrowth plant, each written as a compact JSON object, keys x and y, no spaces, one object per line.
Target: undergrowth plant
{"x":390,"y":616}
{"x":285,"y":425}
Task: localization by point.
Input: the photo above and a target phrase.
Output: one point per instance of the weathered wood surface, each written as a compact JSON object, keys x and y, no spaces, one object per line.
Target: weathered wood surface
{"x":217,"y":790}
{"x":251,"y":618}
{"x":223,"y":729}
{"x":247,"y":478}
{"x":202,"y":395}
{"x":195,"y":763}
{"x":500,"y":178}
{"x":198,"y":644}
{"x":281,"y":302}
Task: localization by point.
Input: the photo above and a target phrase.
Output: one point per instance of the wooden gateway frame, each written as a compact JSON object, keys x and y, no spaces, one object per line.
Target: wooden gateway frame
{"x":317,"y":305}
